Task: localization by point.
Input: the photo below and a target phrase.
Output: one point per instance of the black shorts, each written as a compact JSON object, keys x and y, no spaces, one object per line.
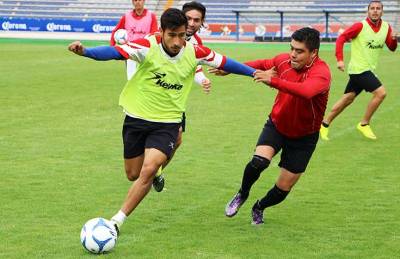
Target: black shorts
{"x":365,"y":81}
{"x":296,"y":152}
{"x":139,"y":134}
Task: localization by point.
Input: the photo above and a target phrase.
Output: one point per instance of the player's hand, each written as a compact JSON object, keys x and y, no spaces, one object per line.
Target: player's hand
{"x":206,"y":84}
{"x":217,"y":72}
{"x":340,"y":65}
{"x":77,"y":48}
{"x":265,"y":76}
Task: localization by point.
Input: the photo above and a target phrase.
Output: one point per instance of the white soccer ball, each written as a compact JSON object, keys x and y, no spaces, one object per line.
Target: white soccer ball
{"x":121,"y":36}
{"x":98,"y":235}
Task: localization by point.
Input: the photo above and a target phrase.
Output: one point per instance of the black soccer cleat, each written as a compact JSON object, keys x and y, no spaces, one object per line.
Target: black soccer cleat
{"x":158,"y":183}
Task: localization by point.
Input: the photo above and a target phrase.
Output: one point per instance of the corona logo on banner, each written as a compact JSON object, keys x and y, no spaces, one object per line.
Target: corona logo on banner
{"x":13,"y":26}
{"x":102,"y":28}
{"x":58,"y":27}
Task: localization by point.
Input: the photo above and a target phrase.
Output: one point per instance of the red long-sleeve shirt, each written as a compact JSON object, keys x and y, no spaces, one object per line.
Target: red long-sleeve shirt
{"x":303,"y":94}
{"x":353,"y":32}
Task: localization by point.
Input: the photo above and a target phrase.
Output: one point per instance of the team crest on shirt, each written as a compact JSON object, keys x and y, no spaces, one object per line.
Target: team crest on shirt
{"x":159,"y":80}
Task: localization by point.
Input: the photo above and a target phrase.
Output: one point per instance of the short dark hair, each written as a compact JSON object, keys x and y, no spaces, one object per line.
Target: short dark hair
{"x":375,"y":1}
{"x":309,"y":36}
{"x":173,"y":18}
{"x":195,"y":6}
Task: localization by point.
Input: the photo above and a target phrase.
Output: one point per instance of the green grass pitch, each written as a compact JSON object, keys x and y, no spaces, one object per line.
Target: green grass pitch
{"x":61,"y":164}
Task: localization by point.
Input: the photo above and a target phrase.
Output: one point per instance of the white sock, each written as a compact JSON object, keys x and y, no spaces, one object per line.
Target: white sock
{"x":119,"y":218}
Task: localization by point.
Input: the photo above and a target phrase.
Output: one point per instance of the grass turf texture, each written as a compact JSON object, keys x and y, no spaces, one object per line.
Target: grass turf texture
{"x":61,"y":164}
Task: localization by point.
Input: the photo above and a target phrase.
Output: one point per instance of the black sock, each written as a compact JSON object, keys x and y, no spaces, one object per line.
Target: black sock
{"x":362,"y":125}
{"x":273,"y":197}
{"x":326,"y":125}
{"x":252,"y":172}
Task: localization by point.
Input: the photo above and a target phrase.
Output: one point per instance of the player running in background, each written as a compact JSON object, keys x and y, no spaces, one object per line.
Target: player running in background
{"x":138,"y":23}
{"x":155,"y":98}
{"x":195,"y":13}
{"x":303,"y":81}
{"x":367,"y":41}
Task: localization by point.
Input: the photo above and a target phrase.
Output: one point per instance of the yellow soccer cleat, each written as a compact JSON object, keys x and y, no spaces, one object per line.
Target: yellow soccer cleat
{"x":323,"y":131}
{"x":366,"y":131}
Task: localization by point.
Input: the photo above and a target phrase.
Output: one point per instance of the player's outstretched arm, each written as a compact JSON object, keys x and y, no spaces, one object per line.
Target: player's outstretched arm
{"x":101,"y":53}
{"x":235,"y":67}
{"x":206,"y":56}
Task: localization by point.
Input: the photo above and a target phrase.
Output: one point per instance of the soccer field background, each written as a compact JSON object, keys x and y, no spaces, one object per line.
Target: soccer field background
{"x":61,"y":164}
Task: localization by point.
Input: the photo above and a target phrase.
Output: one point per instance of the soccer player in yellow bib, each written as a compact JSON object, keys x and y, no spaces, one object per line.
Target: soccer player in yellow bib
{"x":367,"y":41}
{"x":155,"y":98}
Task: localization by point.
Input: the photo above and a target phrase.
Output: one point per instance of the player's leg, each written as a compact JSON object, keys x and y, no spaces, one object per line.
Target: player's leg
{"x":296,"y":154}
{"x":268,"y":145}
{"x":350,"y":93}
{"x":377,"y":98}
{"x":373,"y":85}
{"x":133,"y":167}
{"x":275,"y":195}
{"x":153,"y":159}
{"x":339,"y":106}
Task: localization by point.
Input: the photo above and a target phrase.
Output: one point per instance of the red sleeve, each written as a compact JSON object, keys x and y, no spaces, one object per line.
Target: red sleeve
{"x":135,"y":47}
{"x":154,"y":25}
{"x":120,"y":25}
{"x":198,"y":39}
{"x":122,"y":52}
{"x":317,"y":82}
{"x":390,"y":42}
{"x":262,"y":64}
{"x":202,"y":51}
{"x":347,"y":35}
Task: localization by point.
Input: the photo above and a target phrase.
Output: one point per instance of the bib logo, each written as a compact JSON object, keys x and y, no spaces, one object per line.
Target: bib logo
{"x":160,"y":82}
{"x":102,"y":28}
{"x":371,"y":45}
{"x":58,"y":27}
{"x":13,"y":26}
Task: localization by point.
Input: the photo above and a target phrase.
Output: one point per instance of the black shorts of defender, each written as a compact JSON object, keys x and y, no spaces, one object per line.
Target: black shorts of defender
{"x":140,"y":134}
{"x":365,"y":81}
{"x":296,"y":152}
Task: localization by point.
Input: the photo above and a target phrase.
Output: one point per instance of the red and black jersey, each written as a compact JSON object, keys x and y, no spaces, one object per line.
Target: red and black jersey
{"x":303,"y":95}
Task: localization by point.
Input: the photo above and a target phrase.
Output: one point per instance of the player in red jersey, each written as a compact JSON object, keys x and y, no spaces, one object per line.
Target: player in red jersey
{"x":303,"y":81}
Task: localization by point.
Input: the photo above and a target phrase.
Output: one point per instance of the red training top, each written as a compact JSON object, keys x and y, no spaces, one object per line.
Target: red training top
{"x":303,"y":94}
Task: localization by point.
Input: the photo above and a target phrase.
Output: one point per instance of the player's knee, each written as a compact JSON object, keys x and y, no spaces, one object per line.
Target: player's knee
{"x":148,"y":172}
{"x":381,"y":94}
{"x":131,"y":174}
{"x":259,"y":163}
{"x":349,"y":99}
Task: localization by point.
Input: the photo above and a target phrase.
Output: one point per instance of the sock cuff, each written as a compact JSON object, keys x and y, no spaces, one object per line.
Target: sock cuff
{"x":280,"y":191}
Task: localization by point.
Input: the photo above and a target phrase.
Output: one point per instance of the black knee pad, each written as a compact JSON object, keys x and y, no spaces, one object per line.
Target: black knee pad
{"x":259,"y":163}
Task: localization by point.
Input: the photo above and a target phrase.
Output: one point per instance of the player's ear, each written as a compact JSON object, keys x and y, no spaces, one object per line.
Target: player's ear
{"x":314,"y":53}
